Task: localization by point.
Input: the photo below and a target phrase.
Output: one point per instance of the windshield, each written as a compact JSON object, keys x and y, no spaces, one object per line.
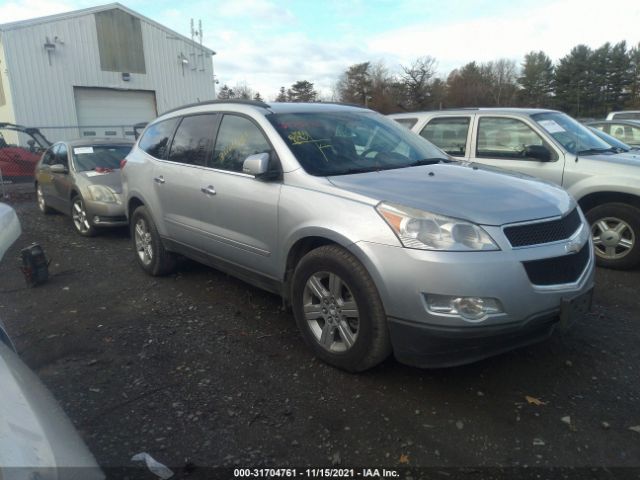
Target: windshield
{"x":99,"y":157}
{"x":339,"y":143}
{"x":572,"y":135}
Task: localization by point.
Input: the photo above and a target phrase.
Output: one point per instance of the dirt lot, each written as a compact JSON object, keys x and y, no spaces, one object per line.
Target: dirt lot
{"x":201,"y":369}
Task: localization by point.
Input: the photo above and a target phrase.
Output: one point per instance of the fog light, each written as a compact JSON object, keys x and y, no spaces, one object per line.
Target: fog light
{"x":96,"y":219}
{"x":469,"y":308}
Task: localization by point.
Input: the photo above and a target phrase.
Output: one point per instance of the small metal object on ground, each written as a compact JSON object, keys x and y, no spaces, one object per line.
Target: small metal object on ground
{"x":35,"y":267}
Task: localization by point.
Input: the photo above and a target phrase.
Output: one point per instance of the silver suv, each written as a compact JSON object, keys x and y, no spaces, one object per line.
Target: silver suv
{"x":553,"y":146}
{"x":376,"y":239}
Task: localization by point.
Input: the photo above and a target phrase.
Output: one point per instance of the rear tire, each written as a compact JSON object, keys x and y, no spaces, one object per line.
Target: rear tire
{"x":149,"y":250}
{"x":338,"y":310}
{"x":615,"y":228}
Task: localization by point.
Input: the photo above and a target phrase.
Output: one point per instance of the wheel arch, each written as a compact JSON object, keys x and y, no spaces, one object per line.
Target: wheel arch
{"x":594,"y":199}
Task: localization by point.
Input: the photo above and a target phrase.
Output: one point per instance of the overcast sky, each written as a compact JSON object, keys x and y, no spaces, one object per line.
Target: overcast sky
{"x":269,"y":43}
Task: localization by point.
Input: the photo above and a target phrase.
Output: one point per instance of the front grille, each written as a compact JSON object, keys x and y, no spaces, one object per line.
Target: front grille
{"x":558,"y":270}
{"x":543,"y":232}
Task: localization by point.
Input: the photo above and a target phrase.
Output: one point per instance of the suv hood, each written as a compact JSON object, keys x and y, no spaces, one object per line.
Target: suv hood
{"x":466,"y":191}
{"x":631,"y":158}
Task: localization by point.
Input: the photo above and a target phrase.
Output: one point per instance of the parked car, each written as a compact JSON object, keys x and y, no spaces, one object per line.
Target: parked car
{"x":620,"y":146}
{"x":624,"y":115}
{"x":373,"y":236}
{"x":627,"y":131}
{"x":81,"y":178}
{"x":37,"y":440}
{"x":20,"y":149}
{"x":553,"y":146}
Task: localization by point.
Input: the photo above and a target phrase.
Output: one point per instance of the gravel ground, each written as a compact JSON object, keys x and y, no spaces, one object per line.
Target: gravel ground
{"x":200,"y":369}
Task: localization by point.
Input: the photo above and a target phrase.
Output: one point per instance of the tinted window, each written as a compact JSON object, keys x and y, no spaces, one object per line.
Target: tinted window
{"x":193,"y":141}
{"x":407,"y":122}
{"x":627,"y":116}
{"x":98,"y":157}
{"x":505,"y":138}
{"x":450,"y":134}
{"x":238,"y":138}
{"x":155,"y":140}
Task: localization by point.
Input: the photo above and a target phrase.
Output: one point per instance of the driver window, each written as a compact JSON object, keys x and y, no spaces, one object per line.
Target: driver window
{"x":61,"y":155}
{"x":506,"y":138}
{"x":238,"y":137}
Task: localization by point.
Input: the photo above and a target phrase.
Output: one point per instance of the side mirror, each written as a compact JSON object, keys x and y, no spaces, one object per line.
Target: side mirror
{"x":256,"y":165}
{"x":538,"y":152}
{"x":58,"y":168}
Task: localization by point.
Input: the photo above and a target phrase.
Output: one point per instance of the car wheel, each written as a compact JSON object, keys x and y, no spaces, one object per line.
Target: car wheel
{"x":150,"y":252}
{"x":42,"y":203}
{"x":80,"y":218}
{"x":338,"y":310}
{"x":616,"y":235}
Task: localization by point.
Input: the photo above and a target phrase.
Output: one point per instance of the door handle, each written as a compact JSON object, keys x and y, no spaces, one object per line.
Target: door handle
{"x":208,"y":190}
{"x":159,"y":179}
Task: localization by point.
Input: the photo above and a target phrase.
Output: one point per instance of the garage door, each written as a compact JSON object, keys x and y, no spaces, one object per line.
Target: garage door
{"x":104,"y":112}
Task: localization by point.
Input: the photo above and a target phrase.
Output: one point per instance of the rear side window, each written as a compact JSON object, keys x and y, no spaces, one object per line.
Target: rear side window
{"x":156,"y":139}
{"x":238,"y":137}
{"x":193,"y":141}
{"x":450,"y":134}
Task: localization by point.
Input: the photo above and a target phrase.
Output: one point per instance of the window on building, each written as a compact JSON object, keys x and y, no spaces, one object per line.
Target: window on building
{"x":450,"y":134}
{"x":120,"y":42}
{"x":238,"y":138}
{"x":193,"y":141}
{"x":155,"y":141}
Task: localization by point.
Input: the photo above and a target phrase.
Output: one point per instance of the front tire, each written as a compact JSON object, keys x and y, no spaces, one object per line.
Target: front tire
{"x":80,"y":218}
{"x":615,"y":228}
{"x":150,"y":252}
{"x":338,"y":310}
{"x":42,"y":203}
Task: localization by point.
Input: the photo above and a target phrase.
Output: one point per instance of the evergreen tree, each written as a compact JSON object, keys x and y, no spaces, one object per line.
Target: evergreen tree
{"x":302,"y":91}
{"x":282,"y":95}
{"x":226,"y":93}
{"x":536,"y":81}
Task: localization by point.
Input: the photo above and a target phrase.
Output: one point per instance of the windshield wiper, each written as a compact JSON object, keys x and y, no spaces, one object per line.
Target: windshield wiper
{"x":595,"y":151}
{"x":427,"y":161}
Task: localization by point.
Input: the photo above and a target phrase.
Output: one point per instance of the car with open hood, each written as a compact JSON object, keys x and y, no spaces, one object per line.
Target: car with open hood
{"x":376,"y":238}
{"x":552,"y":146}
{"x":81,"y":178}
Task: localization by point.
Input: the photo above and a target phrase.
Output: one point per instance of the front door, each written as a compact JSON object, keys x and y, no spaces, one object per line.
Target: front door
{"x":502,"y":142}
{"x":240,"y":212}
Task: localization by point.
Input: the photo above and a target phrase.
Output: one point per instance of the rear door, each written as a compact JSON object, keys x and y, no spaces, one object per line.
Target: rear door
{"x":239,"y":212}
{"x":179,"y":179}
{"x":501,"y":141}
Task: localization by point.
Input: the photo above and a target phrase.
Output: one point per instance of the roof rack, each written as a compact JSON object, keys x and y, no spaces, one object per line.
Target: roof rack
{"x":255,"y":103}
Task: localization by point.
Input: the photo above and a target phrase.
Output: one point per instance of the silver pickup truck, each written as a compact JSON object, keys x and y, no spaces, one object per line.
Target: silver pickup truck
{"x":553,"y":146}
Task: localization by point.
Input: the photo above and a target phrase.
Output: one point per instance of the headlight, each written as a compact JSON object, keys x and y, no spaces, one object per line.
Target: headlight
{"x":428,"y":231}
{"x":100,"y":193}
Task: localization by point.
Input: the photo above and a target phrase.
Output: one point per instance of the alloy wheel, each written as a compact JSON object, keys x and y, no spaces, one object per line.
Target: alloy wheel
{"x":331,"y":311}
{"x":143,"y":241}
{"x":613,"y":238}
{"x":79,"y":215}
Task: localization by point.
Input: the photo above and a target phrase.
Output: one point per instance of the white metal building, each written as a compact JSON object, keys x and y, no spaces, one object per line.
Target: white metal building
{"x":97,"y":72}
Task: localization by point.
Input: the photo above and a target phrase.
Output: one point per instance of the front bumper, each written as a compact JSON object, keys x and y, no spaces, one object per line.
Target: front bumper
{"x":406,"y":277}
{"x":106,"y":214}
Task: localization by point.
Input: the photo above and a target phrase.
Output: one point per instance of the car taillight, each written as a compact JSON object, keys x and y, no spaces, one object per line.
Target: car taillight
{"x":123,"y":162}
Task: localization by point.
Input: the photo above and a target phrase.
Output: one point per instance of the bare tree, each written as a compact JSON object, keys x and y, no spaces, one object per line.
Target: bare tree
{"x":416,"y":82}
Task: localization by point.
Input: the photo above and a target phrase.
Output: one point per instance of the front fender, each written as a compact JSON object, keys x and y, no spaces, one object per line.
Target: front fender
{"x":595,"y":184}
